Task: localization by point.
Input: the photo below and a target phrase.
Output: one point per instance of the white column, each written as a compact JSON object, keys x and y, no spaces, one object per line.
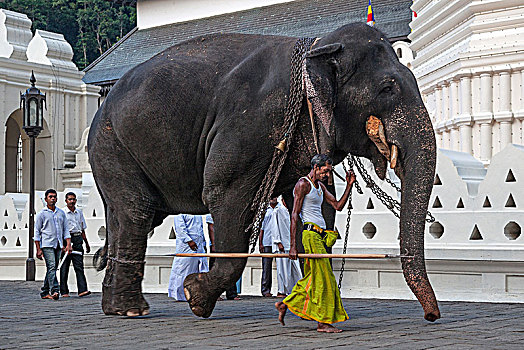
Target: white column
{"x":465,"y":138}
{"x":439,"y":137}
{"x":519,"y":114}
{"x":505,"y":133}
{"x":485,"y":116}
{"x":438,"y":116}
{"x":453,"y":114}
{"x":454,"y":138}
{"x":68,"y":130}
{"x":463,"y":121}
{"x":445,"y":139}
{"x":465,"y":95}
{"x":486,"y":93}
{"x":445,"y":102}
{"x":78,"y":129}
{"x":2,"y":157}
{"x":444,"y":121}
{"x":485,"y":141}
{"x":505,"y":92}
{"x":3,"y":119}
{"x":454,"y":89}
{"x":504,"y":115}
{"x":438,"y":103}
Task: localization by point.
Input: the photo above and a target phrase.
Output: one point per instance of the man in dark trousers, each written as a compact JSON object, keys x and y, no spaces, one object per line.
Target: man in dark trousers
{"x":76,"y":225}
{"x":51,"y":236}
{"x":266,"y":246}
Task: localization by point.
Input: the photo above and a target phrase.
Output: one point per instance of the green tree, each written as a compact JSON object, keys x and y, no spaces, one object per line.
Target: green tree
{"x":90,"y":26}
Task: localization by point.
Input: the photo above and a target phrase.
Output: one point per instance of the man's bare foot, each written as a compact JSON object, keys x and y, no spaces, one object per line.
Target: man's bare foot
{"x":281,"y":308}
{"x":327,"y":328}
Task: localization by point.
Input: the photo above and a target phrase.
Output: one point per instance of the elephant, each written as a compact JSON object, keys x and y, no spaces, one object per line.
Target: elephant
{"x":193,"y":130}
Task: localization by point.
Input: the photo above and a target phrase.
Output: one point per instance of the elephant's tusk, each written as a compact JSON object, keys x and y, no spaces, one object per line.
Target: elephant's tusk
{"x":375,"y":131}
{"x":394,"y":156}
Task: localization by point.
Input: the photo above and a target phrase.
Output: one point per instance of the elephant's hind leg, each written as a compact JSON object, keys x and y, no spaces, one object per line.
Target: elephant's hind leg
{"x":131,"y":204}
{"x":122,"y":286}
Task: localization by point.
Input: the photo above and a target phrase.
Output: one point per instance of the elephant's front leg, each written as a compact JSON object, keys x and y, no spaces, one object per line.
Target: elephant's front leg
{"x":203,"y":289}
{"x":230,"y":218}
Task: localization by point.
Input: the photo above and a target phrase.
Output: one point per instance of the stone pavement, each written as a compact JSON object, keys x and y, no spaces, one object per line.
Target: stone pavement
{"x":27,"y":322}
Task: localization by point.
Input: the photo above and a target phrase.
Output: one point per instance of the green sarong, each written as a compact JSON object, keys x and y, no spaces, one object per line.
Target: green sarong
{"x":316,"y":296}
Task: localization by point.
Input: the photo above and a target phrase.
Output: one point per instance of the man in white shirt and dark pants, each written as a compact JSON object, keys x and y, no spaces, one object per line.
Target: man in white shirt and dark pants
{"x":288,"y":271}
{"x":76,"y":225}
{"x":265,"y":246}
{"x":50,"y":235}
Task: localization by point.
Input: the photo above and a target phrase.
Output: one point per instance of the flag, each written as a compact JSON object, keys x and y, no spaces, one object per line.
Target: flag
{"x":371,"y":16}
{"x":413,"y":17}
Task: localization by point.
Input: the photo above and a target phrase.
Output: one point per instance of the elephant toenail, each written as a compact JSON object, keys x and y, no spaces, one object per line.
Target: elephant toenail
{"x":133,"y":313}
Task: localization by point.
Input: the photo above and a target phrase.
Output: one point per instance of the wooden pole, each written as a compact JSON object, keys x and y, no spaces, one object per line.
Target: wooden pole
{"x":309,"y":256}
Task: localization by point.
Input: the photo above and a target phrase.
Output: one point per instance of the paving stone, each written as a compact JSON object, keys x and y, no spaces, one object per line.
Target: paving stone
{"x":27,"y":322}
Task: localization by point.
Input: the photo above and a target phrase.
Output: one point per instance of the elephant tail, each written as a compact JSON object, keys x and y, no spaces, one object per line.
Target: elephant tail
{"x":100,"y":258}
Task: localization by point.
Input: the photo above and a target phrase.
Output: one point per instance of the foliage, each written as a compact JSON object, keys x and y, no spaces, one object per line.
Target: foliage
{"x":90,"y":26}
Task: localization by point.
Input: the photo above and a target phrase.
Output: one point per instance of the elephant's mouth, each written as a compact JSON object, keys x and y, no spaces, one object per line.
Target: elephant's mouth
{"x":387,"y":152}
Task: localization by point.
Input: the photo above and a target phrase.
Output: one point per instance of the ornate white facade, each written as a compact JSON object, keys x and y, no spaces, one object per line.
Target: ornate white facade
{"x":470,"y":68}
{"x":71,"y":105}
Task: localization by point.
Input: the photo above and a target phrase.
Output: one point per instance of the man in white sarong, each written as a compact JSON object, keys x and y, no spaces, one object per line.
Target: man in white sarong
{"x":189,"y":239}
{"x":288,"y":271}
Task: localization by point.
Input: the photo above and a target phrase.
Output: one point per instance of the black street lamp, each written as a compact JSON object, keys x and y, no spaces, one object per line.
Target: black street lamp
{"x":33,"y":104}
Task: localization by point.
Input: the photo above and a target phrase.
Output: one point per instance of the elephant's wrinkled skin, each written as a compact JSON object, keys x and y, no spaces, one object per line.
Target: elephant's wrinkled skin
{"x":193,"y":130}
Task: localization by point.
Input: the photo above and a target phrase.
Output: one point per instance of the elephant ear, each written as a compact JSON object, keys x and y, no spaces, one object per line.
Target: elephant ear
{"x":319,"y":74}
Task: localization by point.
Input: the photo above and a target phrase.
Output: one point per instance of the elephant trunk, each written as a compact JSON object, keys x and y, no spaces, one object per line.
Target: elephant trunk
{"x":419,"y":161}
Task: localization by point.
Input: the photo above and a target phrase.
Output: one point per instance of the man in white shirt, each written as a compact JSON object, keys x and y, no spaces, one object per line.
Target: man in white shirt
{"x":288,"y":271}
{"x":189,"y":232}
{"x":50,"y":235}
{"x":265,"y":246}
{"x":76,"y":225}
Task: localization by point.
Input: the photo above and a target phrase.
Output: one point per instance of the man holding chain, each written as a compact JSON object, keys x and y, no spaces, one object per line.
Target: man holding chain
{"x":316,"y":296}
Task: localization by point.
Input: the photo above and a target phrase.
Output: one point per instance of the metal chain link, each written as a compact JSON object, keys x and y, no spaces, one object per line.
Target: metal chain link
{"x":292,"y":114}
{"x":348,"y":221}
{"x":394,"y":185}
{"x":390,"y":203}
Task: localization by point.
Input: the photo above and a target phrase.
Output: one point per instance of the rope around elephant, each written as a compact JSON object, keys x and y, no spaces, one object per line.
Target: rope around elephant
{"x":292,"y":114}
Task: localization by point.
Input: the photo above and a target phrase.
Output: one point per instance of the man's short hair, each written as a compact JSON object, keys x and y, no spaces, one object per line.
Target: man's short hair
{"x":320,"y":160}
{"x":70,"y":194}
{"x":49,"y":191}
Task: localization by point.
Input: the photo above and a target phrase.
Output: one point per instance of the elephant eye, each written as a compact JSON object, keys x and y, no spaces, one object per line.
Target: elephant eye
{"x":387,"y":90}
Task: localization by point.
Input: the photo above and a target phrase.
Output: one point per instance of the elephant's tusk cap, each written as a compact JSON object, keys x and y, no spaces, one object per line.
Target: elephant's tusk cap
{"x":375,"y":131}
{"x":394,"y":156}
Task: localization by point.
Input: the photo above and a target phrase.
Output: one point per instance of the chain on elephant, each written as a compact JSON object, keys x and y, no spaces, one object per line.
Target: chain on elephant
{"x":392,"y":204}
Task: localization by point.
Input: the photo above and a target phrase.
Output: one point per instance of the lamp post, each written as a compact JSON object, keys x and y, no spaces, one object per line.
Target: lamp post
{"x":32,"y":102}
